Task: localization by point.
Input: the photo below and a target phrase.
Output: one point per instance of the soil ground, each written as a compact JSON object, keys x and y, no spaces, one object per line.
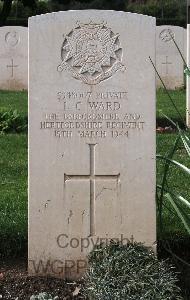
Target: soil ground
{"x":16,"y":284}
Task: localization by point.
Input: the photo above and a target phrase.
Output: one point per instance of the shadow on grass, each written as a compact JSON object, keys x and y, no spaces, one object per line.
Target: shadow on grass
{"x":180,"y":249}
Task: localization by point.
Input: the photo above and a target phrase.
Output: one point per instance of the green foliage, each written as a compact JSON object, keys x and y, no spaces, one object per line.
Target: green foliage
{"x":83,"y":4}
{"x":13,"y":112}
{"x":42,"y":8}
{"x":172,"y":12}
{"x":29,"y":3}
{"x":129,"y":272}
{"x":13,"y":195}
{"x":20,"y":11}
{"x":12,"y":121}
{"x":150,"y":8}
{"x":43,"y":296}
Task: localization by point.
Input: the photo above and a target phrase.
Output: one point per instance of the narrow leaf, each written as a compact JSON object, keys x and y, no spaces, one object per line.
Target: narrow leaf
{"x":171,"y":121}
{"x":185,"y":140}
{"x":167,"y":92}
{"x":179,"y":212}
{"x":179,"y":197}
{"x":174,"y":162}
{"x":187,"y":71}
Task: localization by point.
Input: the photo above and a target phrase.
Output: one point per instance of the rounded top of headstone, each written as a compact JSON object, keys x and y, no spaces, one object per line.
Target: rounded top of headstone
{"x":13,"y":28}
{"x":106,"y":13}
{"x":170,"y":27}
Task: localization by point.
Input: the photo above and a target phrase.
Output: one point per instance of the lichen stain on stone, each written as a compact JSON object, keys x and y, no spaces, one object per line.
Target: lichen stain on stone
{"x":70,"y":216}
{"x":13,"y":85}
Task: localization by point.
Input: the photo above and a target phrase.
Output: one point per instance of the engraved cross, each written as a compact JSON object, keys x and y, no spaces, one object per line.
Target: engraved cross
{"x":12,"y":66}
{"x":167,"y":63}
{"x":92,"y":177}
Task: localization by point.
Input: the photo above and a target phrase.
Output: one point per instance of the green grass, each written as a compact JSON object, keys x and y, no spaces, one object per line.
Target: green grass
{"x":177,"y":180}
{"x":13,"y":180}
{"x":164,"y":104}
{"x":15,"y":101}
{"x":13,"y":193}
{"x":13,"y":112}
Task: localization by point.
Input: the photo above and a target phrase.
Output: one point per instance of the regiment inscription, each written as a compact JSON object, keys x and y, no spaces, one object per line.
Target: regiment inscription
{"x":105,"y":118}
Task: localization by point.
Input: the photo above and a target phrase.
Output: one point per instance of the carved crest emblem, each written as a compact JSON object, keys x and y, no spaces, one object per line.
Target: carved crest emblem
{"x":91,"y":53}
{"x":12,"y":38}
{"x":167,"y":35}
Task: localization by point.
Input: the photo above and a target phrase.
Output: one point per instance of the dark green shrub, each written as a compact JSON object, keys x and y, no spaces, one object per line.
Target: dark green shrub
{"x":42,"y":8}
{"x":129,"y":273}
{"x":12,"y":121}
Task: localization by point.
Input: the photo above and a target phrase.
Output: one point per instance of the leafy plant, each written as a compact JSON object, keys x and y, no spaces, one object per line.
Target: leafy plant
{"x":130,"y":272}
{"x":43,"y":296}
{"x":165,"y":195}
{"x":169,"y":200}
{"x":12,"y":121}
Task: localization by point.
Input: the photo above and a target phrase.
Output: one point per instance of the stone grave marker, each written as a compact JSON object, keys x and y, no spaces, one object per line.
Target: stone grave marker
{"x":185,"y":44}
{"x":14,"y":58}
{"x":168,"y":60}
{"x":188,"y":79}
{"x":91,"y":136}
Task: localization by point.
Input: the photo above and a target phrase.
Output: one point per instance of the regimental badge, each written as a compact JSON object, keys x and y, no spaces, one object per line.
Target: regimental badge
{"x":12,"y":38}
{"x":91,"y":53}
{"x":167,"y":35}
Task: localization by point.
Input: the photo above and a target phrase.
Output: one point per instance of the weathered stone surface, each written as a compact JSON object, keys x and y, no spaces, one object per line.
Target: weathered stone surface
{"x":92,"y":135}
{"x":13,"y":58}
{"x":168,"y":60}
{"x":185,"y":44}
{"x":188,"y":79}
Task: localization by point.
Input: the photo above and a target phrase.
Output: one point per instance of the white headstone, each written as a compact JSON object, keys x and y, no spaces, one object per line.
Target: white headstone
{"x":13,"y":58}
{"x":168,"y":60}
{"x":92,"y":135}
{"x":188,"y":79}
{"x":185,"y":44}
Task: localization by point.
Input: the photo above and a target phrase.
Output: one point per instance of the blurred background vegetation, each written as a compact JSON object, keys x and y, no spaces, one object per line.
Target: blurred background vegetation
{"x":171,"y":12}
